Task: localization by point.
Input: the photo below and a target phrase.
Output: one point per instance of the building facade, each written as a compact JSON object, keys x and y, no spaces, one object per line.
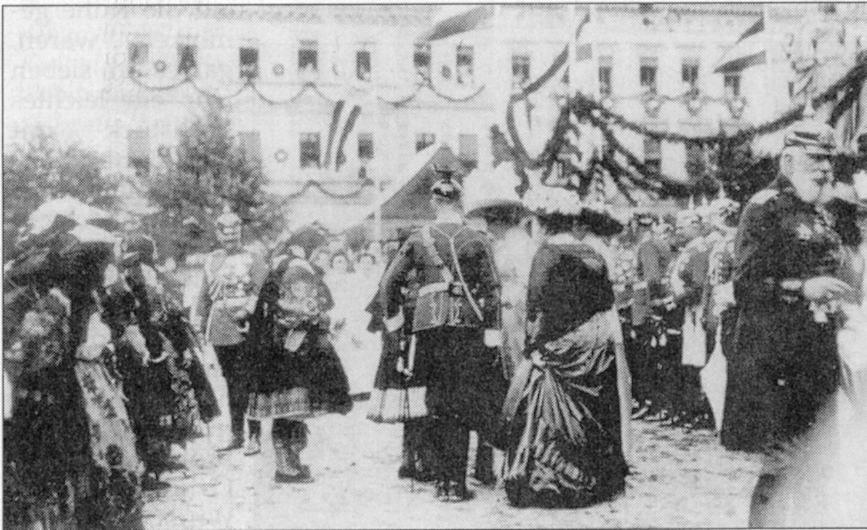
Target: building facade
{"x":345,"y":96}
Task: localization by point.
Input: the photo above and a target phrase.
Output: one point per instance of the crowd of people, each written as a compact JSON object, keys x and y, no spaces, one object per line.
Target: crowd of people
{"x":543,"y":325}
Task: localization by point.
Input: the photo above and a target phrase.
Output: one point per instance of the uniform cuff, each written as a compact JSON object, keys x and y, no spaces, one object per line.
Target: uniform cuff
{"x":394,"y":323}
{"x":493,"y":338}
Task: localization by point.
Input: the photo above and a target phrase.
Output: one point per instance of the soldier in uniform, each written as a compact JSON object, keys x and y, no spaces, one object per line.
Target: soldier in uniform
{"x":232,"y":278}
{"x":652,"y":258}
{"x":690,"y":271}
{"x":456,"y":324}
{"x":784,"y":365}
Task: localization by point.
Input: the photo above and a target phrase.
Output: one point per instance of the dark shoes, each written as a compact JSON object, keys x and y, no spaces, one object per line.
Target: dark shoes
{"x":303,"y":477}
{"x":451,"y":491}
{"x":421,"y":475}
{"x":152,"y":483}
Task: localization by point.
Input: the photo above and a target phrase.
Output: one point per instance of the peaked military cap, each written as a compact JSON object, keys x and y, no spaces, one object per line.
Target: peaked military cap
{"x":814,"y":136}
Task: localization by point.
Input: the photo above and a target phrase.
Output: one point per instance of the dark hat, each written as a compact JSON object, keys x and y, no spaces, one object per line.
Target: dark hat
{"x":138,"y":249}
{"x":816,"y":137}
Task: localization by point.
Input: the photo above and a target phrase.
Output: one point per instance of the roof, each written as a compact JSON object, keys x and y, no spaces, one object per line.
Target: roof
{"x":407,"y":196}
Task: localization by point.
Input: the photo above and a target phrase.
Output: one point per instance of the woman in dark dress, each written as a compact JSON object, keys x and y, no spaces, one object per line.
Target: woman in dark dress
{"x":155,"y":358}
{"x":561,"y":420}
{"x":69,"y":454}
{"x":294,"y":372}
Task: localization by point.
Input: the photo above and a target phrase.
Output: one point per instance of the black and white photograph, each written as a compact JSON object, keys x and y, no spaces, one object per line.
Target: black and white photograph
{"x":385,"y":265}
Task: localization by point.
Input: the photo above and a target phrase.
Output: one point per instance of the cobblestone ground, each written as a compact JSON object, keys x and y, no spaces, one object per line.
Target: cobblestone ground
{"x":678,"y":479}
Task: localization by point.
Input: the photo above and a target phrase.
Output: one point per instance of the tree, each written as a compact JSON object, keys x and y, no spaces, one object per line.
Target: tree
{"x":740,"y":172}
{"x":208,"y":172}
{"x":43,"y":169}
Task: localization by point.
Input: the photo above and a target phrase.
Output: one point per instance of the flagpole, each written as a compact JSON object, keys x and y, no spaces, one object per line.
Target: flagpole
{"x":571,"y":44}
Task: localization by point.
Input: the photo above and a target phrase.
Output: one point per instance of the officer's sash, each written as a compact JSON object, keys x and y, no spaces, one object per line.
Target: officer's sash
{"x":447,"y":302}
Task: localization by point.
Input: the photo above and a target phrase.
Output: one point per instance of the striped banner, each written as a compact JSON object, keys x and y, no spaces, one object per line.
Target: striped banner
{"x":332,"y":130}
{"x":340,"y":158}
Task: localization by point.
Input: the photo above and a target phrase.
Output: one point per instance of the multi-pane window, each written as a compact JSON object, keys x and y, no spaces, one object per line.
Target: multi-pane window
{"x":308,"y":56}
{"x":421,"y":60}
{"x":606,"y":65}
{"x":468,"y":150}
{"x":251,"y":145}
{"x":464,"y":63}
{"x":138,"y":150}
{"x":138,"y":56}
{"x":647,"y":74}
{"x":520,"y":70}
{"x":310,"y":150}
{"x":653,"y":154}
{"x":423,"y":140}
{"x":362,"y":65}
{"x":365,"y":146}
{"x":689,"y":73}
{"x":249,"y":62}
{"x":732,"y":85}
{"x":187,"y":59}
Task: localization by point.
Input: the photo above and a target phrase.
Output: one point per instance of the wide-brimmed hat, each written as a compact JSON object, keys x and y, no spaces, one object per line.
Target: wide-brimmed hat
{"x":554,"y":202}
{"x":497,"y":207}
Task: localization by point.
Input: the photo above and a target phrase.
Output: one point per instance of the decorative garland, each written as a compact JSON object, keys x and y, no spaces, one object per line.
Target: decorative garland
{"x":639,"y":174}
{"x":318,"y":185}
{"x":585,"y":106}
{"x":249,"y":83}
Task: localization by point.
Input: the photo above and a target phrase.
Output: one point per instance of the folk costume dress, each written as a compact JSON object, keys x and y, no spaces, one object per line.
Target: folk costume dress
{"x":69,"y":453}
{"x":172,"y":345}
{"x":399,"y":394}
{"x":294,"y":372}
{"x":561,"y":423}
{"x":458,"y":302}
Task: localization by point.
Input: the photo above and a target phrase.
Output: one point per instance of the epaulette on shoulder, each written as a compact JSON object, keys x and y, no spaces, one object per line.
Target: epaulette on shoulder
{"x":764,"y":196}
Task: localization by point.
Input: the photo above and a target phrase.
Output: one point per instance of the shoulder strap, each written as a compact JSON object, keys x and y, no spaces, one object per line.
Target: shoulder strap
{"x":428,"y":242}
{"x":473,"y":304}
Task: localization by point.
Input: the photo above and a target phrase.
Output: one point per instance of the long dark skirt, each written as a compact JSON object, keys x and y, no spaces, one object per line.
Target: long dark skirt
{"x":561,"y":431}
{"x":56,"y":473}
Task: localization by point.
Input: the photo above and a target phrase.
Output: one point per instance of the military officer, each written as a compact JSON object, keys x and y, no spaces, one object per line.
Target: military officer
{"x":232,"y":278}
{"x":456,"y":323}
{"x":652,"y":259}
{"x":784,"y":361}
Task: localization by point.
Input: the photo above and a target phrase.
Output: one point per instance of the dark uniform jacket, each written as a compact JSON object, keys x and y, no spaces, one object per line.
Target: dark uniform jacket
{"x":783,"y":365}
{"x":448,"y":295}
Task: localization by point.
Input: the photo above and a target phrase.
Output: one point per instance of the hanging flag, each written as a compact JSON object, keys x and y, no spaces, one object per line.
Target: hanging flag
{"x":749,"y":50}
{"x":459,"y":23}
{"x":340,"y":158}
{"x":332,"y":130}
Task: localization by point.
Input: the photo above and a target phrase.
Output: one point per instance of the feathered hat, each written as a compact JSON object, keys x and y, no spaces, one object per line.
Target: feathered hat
{"x":555,"y":202}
